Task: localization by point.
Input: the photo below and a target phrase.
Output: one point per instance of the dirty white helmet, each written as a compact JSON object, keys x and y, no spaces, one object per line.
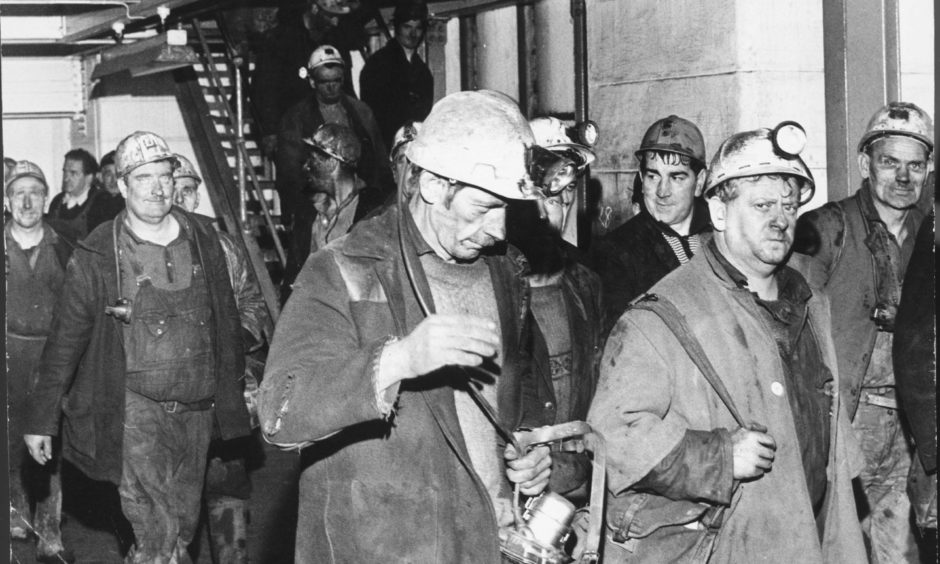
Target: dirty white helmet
{"x":479,"y":138}
{"x":23,"y":169}
{"x":335,"y":7}
{"x":324,"y":55}
{"x":186,"y":170}
{"x":552,"y":134}
{"x":899,"y":119}
{"x":140,"y":148}
{"x":762,"y":151}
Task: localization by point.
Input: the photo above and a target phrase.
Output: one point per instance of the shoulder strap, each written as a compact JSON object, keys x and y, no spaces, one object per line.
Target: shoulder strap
{"x":673,"y":318}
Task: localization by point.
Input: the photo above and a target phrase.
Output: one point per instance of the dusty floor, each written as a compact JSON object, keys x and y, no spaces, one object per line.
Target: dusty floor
{"x":97,"y":533}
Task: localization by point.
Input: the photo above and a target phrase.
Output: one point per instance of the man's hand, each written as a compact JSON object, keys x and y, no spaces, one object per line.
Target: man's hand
{"x":531,"y":471}
{"x":753,"y":453}
{"x":40,"y":447}
{"x":438,"y":341}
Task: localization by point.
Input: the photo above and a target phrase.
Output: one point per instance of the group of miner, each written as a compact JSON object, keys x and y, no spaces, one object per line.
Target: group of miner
{"x":763,"y":380}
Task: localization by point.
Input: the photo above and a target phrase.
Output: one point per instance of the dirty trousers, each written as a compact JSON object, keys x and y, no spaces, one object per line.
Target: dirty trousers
{"x":162,"y":479}
{"x":886,"y":520}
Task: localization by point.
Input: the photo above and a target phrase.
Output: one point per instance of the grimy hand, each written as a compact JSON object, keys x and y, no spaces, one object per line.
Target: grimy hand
{"x":753,"y":453}
{"x":438,"y":341}
{"x":40,"y":447}
{"x":532,"y":471}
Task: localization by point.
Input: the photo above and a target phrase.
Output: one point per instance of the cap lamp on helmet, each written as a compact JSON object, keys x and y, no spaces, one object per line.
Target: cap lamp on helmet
{"x":759,"y":152}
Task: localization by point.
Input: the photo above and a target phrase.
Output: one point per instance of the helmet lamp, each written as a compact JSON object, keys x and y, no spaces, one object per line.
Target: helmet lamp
{"x":789,"y":138}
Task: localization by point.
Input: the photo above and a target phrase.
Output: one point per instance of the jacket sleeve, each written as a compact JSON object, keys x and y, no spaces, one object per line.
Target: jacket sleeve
{"x":71,"y":332}
{"x":699,"y":468}
{"x":633,"y":409}
{"x":252,"y":311}
{"x":319,"y":377}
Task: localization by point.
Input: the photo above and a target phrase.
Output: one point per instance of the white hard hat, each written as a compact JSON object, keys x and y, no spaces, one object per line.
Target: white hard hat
{"x":478,"y":138}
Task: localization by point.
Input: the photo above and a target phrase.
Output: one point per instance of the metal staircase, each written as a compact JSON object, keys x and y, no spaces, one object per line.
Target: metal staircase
{"x":238,"y":178}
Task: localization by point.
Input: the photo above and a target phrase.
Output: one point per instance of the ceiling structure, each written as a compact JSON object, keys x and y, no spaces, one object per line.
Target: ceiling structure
{"x":77,"y":27}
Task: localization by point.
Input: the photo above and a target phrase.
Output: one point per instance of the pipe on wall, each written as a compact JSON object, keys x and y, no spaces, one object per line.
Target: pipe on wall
{"x":579,"y":19}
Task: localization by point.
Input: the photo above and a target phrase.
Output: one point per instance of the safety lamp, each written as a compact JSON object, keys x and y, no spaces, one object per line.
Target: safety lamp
{"x":789,"y":138}
{"x":586,"y":132}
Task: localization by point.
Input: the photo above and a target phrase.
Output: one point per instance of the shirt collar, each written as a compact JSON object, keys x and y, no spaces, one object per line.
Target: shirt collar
{"x":72,"y":201}
{"x":792,"y":287}
{"x":412,"y":232}
{"x":700,"y":219}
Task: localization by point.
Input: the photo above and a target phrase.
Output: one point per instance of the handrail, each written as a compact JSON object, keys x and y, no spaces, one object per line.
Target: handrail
{"x":239,"y":139}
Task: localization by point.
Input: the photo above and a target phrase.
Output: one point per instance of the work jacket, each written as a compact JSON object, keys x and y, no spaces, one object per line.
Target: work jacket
{"x":832,"y":252}
{"x":301,"y":121}
{"x":636,"y":255}
{"x":82,"y":371}
{"x":384,"y":488}
{"x":915,"y":345}
{"x":650,"y":393}
{"x":397,"y":90}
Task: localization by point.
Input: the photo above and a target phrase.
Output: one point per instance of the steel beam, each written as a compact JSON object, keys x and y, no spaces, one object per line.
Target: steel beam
{"x":862,"y":73}
{"x":87,"y":25}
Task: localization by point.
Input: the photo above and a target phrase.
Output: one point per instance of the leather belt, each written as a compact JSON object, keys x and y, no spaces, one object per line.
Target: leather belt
{"x":183,"y":407}
{"x":882,"y":396}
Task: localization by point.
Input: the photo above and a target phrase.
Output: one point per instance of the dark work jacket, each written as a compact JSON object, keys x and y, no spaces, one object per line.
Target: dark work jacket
{"x":635,"y":256}
{"x":915,"y":361}
{"x":395,"y":89}
{"x":82,"y":372}
{"x":31,"y":294}
{"x":78,"y":222}
{"x":581,"y":289}
{"x":301,"y":121}
{"x":830,"y":251}
{"x":402,"y":487}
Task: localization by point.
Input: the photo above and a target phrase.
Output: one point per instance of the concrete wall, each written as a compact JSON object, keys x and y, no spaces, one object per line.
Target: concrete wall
{"x":497,"y":54}
{"x":916,"y":38}
{"x":726,"y":65}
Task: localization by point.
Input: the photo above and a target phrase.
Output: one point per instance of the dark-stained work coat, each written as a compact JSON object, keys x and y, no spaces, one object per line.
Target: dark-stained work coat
{"x":633,"y":257}
{"x":81,"y":377}
{"x":915,"y":345}
{"x":650,"y":393}
{"x":832,"y":253}
{"x":401,"y":489}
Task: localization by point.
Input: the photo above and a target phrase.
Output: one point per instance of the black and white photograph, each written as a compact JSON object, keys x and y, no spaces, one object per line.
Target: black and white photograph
{"x":469,"y":281}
